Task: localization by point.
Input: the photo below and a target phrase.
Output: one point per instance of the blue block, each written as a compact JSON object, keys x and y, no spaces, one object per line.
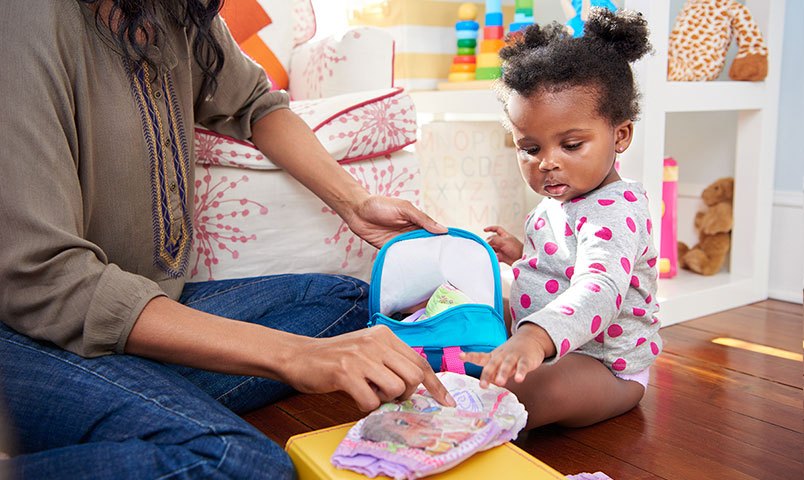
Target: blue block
{"x":467,"y":25}
{"x":465,"y":34}
{"x":494,"y":19}
{"x":493,"y":6}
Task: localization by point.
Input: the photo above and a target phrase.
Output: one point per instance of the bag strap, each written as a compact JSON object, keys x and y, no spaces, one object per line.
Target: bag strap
{"x":450,"y":359}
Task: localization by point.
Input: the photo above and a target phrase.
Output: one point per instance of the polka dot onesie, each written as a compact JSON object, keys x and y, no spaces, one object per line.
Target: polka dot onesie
{"x":588,"y":277}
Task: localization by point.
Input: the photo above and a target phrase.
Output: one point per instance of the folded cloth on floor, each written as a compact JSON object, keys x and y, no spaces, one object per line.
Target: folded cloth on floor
{"x":589,"y":476}
{"x":419,"y":437}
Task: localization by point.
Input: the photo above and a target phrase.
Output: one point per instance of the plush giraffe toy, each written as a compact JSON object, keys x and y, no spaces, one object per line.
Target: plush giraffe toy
{"x":701,"y":37}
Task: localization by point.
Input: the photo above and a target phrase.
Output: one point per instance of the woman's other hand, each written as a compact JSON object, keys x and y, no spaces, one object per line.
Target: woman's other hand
{"x":377,"y":219}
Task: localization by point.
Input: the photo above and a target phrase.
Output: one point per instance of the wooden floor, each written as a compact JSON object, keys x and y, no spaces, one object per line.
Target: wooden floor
{"x":711,"y":411}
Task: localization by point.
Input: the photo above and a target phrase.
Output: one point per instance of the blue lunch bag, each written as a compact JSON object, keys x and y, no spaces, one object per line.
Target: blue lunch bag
{"x":411,"y":266}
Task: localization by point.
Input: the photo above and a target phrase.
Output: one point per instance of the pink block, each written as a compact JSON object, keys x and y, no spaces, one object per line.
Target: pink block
{"x":668,"y":250}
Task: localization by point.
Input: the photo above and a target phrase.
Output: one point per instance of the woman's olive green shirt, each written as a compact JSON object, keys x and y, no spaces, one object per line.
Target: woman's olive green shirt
{"x":96,"y":169}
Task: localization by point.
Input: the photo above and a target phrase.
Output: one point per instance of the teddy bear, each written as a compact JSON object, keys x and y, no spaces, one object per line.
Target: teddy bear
{"x":701,"y":37}
{"x":713,"y":225}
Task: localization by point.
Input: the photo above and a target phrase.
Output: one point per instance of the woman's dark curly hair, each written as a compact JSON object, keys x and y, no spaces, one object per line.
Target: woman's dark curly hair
{"x":550,"y":59}
{"x":147,"y":17}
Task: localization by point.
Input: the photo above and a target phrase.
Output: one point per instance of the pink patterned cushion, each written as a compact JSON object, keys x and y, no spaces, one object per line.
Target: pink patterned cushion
{"x":261,"y":222}
{"x":351,"y":127}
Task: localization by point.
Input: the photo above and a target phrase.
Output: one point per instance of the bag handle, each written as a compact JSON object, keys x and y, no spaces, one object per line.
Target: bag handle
{"x":450,"y":359}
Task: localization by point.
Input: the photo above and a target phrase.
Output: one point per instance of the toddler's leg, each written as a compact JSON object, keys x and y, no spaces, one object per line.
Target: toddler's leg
{"x":575,"y":392}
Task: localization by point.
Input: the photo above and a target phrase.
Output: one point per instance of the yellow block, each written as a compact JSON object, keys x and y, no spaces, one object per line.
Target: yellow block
{"x":461,"y":77}
{"x":488,"y":60}
{"x":311,"y":452}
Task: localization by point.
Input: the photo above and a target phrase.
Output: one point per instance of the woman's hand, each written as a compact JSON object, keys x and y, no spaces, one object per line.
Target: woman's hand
{"x":522,"y":353}
{"x":507,"y":247}
{"x":372,"y":365}
{"x":377,"y":219}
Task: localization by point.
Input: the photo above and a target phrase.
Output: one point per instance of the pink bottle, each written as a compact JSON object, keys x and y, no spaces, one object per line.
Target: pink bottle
{"x":668,"y":249}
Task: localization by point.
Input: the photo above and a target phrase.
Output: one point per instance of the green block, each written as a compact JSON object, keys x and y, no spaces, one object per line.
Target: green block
{"x":488,"y":73}
{"x":525,"y":11}
{"x":523,"y":4}
{"x":466,"y":51}
{"x":467,"y":43}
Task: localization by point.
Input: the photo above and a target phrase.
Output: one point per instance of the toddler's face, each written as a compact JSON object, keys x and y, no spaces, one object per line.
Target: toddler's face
{"x":565,"y":148}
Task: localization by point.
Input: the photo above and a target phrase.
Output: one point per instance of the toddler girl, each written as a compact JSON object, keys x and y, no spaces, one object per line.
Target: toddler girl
{"x":583,"y":300}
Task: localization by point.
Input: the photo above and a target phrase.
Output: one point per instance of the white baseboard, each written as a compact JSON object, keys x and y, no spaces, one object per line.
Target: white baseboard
{"x":786,"y":256}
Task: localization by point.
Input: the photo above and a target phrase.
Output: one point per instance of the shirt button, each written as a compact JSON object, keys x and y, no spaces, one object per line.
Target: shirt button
{"x":172,"y":186}
{"x":166,"y":142}
{"x":158,"y":94}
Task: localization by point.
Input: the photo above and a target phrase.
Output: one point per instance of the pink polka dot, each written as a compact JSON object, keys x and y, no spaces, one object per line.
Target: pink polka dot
{"x":577,"y":199}
{"x":592,"y":287}
{"x":619,"y":364}
{"x":550,"y":248}
{"x":596,"y":321}
{"x":604,"y":233}
{"x":569,"y":272}
{"x":652,"y":262}
{"x":605,"y":202}
{"x":654,"y":348}
{"x":597,"y":268}
{"x":565,"y":346}
{"x":551,"y":286}
{"x":539,"y":224}
{"x":516,"y":273}
{"x":533,"y":262}
{"x":599,"y":338}
{"x":581,"y":221}
{"x":648,"y":300}
{"x":641,"y":340}
{"x":567,"y":230}
{"x":645,"y":251}
{"x":629,"y":195}
{"x":650,"y":225}
{"x":639,"y":312}
{"x":634,"y":281}
{"x":614,"y":330}
{"x":524,"y":300}
{"x":513,"y":314}
{"x":631,"y":225}
{"x":566,"y":310}
{"x":619,"y":301}
{"x":626,"y":264}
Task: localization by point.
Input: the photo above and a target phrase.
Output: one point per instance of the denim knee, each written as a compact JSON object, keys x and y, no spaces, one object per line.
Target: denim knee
{"x":254,"y":456}
{"x":340,"y":287}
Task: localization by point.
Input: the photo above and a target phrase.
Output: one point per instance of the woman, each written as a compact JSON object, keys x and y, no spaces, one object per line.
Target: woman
{"x":106,"y":357}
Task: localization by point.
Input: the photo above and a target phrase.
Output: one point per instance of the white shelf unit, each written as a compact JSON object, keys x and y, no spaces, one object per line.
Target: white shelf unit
{"x":689,"y":295}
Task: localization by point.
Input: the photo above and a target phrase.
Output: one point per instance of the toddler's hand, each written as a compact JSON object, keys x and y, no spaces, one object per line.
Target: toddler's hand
{"x":507,"y":247}
{"x":522,"y":353}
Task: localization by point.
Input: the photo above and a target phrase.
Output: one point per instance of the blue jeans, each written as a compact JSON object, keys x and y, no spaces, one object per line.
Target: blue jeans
{"x":123,"y":416}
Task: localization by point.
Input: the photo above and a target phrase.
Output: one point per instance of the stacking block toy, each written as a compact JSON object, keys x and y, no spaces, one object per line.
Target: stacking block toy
{"x":465,"y":62}
{"x":489,"y":63}
{"x":523,"y":15}
{"x":668,"y":251}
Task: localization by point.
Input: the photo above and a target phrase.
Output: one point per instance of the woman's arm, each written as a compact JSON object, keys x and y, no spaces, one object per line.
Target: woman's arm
{"x":371,"y":365}
{"x":284,"y":138}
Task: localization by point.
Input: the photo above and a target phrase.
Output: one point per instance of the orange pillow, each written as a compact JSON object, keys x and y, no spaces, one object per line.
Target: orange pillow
{"x":264,"y":29}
